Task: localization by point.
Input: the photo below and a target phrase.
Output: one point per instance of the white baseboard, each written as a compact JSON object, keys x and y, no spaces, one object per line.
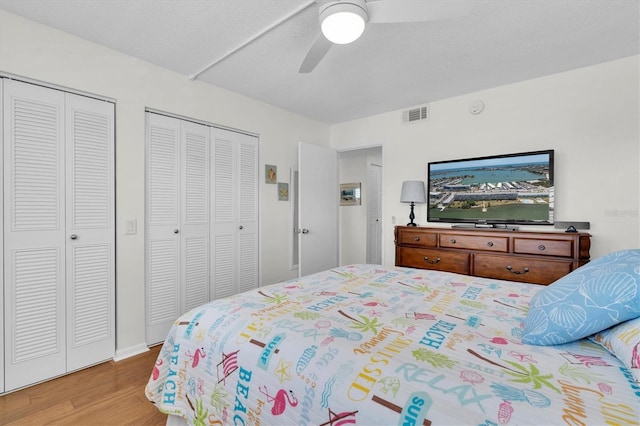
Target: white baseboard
{"x":130,"y":351}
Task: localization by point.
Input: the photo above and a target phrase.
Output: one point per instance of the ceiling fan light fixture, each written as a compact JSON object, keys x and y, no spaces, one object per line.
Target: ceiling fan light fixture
{"x":343,"y":22}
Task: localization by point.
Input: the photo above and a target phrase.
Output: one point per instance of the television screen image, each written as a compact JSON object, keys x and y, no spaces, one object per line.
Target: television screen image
{"x":501,"y":189}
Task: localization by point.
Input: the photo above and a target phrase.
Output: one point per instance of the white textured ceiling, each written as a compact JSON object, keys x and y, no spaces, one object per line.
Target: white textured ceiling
{"x":392,"y":66}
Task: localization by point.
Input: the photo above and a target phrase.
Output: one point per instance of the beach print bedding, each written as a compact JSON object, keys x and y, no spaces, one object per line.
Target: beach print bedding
{"x":373,"y":345}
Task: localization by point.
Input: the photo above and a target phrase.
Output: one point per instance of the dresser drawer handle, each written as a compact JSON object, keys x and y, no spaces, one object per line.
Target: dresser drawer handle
{"x":452,"y":241}
{"x":416,"y":239}
{"x":541,"y":247}
{"x":489,"y":244}
{"x":524,"y":271}
{"x":431,"y":262}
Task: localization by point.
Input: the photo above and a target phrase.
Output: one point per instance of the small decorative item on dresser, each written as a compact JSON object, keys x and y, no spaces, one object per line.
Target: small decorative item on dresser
{"x":413,"y":192}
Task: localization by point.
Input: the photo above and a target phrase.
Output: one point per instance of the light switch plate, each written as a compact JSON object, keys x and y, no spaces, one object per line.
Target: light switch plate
{"x":131,"y":227}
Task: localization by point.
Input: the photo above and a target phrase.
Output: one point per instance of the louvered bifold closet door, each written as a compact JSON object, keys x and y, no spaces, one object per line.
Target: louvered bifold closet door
{"x":163,"y":225}
{"x":248,"y":213}
{"x":34,"y":238}
{"x":234,"y":253}
{"x":224,"y":229}
{"x":194,"y":229}
{"x":90,"y":236}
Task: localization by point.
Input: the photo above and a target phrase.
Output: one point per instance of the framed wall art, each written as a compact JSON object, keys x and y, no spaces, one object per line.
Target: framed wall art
{"x":283,"y":191}
{"x":270,"y":173}
{"x":350,"y":194}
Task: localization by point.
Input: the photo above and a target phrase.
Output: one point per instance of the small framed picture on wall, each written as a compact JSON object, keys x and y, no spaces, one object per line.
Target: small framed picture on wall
{"x":350,"y":194}
{"x":283,"y":191}
{"x":270,"y":173}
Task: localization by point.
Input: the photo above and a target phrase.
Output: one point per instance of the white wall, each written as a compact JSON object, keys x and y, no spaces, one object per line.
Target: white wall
{"x":589,"y":116}
{"x":39,"y":52}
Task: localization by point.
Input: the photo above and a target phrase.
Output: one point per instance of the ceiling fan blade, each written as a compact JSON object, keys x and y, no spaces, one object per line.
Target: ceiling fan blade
{"x":318,"y":49}
{"x":396,"y":11}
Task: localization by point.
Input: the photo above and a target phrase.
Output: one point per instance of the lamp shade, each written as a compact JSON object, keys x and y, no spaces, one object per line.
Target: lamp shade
{"x":343,"y":22}
{"x":413,"y":192}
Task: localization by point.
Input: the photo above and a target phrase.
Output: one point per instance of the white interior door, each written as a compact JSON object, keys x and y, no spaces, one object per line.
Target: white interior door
{"x":223,"y":215}
{"x":34,"y":222}
{"x":234,"y":252}
{"x":318,"y":195}
{"x":374,"y":215}
{"x":193,"y":231}
{"x":248,"y":264}
{"x":90,"y":231}
{"x":163,"y":226}
{"x":58,"y":232}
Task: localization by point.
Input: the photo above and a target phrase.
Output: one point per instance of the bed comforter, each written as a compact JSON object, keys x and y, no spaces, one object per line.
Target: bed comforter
{"x":372,"y":345}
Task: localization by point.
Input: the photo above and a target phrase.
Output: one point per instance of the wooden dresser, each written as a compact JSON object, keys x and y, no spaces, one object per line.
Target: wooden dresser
{"x":533,"y":257}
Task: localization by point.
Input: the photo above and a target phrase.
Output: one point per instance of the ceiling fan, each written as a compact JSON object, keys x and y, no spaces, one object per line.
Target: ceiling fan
{"x":344,"y":21}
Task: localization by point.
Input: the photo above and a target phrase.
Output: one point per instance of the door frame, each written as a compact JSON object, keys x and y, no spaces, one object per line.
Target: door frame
{"x":383,"y":237}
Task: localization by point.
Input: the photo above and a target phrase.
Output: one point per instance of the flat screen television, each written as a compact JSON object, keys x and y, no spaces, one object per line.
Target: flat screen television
{"x":493,"y":191}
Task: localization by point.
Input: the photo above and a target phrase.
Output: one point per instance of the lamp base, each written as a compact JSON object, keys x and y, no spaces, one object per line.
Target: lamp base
{"x":412,"y":216}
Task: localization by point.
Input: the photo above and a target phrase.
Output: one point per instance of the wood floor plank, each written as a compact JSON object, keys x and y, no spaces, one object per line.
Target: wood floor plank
{"x":110,"y":393}
{"x":34,"y":417}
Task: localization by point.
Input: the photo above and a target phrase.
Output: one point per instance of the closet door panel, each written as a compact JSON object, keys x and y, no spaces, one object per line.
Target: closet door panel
{"x":223,"y":282}
{"x":224,"y":226}
{"x":248,"y":259}
{"x":162,"y":289}
{"x":195,"y":261}
{"x":248,"y":214}
{"x":235,"y":213}
{"x":194,"y":229}
{"x":90,"y":231}
{"x":34,"y":275}
{"x":224,"y":211}
{"x":163,"y":226}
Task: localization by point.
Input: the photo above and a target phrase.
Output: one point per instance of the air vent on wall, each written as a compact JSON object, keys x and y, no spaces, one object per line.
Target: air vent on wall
{"x":416,"y":114}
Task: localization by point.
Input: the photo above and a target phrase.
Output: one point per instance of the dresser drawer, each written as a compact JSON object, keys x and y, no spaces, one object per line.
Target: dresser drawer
{"x":433,"y":259}
{"x":562,"y":248}
{"x":523,"y":269}
{"x":475,"y":242}
{"x":416,"y":237}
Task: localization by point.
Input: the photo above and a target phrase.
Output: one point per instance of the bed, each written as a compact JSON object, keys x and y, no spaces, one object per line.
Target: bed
{"x":374,"y":345}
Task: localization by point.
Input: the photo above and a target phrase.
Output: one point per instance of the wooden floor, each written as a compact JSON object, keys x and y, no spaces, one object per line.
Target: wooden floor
{"x":111,"y":393}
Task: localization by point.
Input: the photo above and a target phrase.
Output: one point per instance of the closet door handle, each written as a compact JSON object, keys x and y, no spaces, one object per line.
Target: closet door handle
{"x":73,"y":237}
{"x":240,"y":227}
{"x":305,"y":231}
{"x":175,"y":231}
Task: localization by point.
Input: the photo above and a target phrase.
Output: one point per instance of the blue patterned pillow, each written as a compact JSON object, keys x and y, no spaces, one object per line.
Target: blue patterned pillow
{"x":596,"y":296}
